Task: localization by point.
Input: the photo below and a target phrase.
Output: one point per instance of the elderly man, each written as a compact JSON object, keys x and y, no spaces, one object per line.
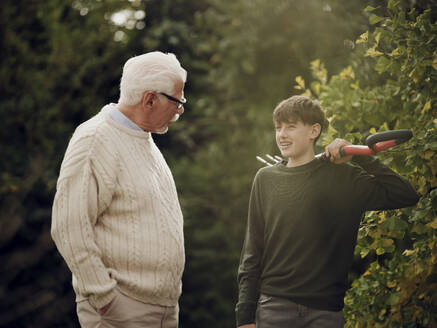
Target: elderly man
{"x":116,"y":215}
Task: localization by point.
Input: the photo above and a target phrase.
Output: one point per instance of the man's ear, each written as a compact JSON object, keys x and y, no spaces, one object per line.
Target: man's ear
{"x":148,"y":99}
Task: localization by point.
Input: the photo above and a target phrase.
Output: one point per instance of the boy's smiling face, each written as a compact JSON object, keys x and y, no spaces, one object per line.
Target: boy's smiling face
{"x":295,"y":139}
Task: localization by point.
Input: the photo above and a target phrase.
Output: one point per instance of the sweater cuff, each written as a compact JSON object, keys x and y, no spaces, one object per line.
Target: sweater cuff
{"x":245,"y":313}
{"x":99,"y":301}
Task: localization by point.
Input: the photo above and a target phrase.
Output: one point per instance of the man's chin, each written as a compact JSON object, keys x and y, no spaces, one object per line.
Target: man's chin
{"x":165,"y":128}
{"x":162,"y":130}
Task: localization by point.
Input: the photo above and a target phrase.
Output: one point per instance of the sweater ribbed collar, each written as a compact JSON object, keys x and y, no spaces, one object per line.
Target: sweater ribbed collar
{"x":308,"y":167}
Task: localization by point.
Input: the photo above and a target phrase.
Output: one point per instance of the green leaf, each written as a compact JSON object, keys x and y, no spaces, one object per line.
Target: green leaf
{"x":374,"y":19}
{"x":315,"y":86}
{"x":409,"y":252}
{"x":390,"y":249}
{"x":387,"y":242}
{"x":426,"y":107}
{"x":433,"y":224}
{"x":364,"y":252}
{"x":382,"y":65}
{"x":372,"y":52}
{"x":380,"y":251}
{"x":369,"y":9}
{"x":392,"y":4}
{"x":419,"y":228}
{"x":377,"y":37}
{"x":395,"y":224}
{"x":364,"y":38}
{"x":300,"y":83}
{"x":434,"y":62}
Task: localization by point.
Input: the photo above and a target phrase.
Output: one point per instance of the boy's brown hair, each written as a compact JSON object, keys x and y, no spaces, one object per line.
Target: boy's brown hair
{"x":300,"y":108}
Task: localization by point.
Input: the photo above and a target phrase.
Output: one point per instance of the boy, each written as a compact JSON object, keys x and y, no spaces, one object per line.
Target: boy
{"x":303,"y":219}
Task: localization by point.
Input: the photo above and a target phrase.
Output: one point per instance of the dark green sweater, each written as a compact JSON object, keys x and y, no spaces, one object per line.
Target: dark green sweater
{"x":302,"y":229}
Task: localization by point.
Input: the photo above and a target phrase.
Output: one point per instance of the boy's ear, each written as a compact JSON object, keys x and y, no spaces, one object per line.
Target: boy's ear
{"x":316,"y":129}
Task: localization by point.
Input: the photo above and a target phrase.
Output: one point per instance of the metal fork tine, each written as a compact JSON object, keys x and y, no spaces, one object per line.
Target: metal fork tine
{"x":272,"y":158}
{"x":262,"y":160}
{"x":279,"y":158}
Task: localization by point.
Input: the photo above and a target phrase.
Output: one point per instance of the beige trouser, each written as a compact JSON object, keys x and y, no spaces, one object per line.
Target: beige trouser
{"x":125,"y":312}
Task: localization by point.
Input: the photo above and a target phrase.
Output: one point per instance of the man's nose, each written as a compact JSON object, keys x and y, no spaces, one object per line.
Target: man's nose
{"x":180,"y":110}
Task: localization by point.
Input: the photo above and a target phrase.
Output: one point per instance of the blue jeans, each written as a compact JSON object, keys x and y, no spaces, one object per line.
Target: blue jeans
{"x":276,"y":312}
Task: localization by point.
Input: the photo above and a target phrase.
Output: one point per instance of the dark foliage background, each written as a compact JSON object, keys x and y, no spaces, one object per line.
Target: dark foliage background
{"x":61,"y":62}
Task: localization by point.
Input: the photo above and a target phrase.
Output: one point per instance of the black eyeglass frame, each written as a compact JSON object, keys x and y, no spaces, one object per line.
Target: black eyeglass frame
{"x":180,"y":102}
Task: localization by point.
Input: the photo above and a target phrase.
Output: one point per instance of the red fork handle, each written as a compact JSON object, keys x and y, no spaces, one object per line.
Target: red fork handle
{"x":356,"y":150}
{"x":375,"y":143}
{"x":365,"y":150}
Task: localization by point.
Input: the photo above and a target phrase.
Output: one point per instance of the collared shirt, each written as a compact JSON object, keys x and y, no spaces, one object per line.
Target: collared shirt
{"x":122,"y":119}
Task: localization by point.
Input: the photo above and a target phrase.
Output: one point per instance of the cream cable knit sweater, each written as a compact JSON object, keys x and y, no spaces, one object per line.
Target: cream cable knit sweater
{"x":116,"y":217}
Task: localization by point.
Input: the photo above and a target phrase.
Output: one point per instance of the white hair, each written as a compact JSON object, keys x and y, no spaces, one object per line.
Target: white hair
{"x":153,"y":71}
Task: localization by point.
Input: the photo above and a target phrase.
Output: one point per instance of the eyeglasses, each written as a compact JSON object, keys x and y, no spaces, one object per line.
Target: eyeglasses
{"x":180,"y":102}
